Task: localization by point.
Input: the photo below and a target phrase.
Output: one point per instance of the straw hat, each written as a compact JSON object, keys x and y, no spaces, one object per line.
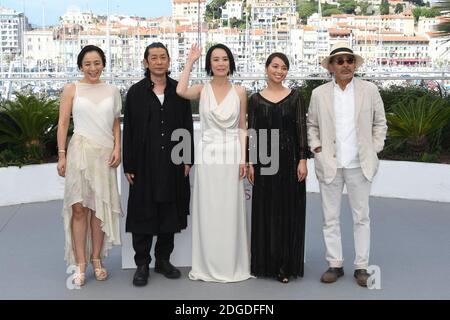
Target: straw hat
{"x":340,"y":48}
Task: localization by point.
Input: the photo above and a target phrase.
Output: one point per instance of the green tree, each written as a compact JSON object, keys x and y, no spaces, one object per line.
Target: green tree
{"x":425,"y":12}
{"x":213,"y":10}
{"x":326,"y":6}
{"x":364,"y":5}
{"x":347,"y":6}
{"x":431,"y":13}
{"x":307,"y":88}
{"x":384,"y":7}
{"x":399,"y":93}
{"x":237,"y":23}
{"x":306,"y":9}
{"x":329,"y":12}
{"x":330,"y":9}
{"x":417,"y":12}
{"x":398,"y":8}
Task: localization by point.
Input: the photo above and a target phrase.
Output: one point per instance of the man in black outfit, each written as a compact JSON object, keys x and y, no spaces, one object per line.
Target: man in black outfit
{"x":158,"y":203}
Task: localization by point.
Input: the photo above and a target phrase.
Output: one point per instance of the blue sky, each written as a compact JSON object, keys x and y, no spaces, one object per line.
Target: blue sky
{"x":55,"y":8}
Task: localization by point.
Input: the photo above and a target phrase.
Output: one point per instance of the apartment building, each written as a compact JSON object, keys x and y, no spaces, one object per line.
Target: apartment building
{"x":75,"y":16}
{"x":426,"y":25}
{"x":393,"y":50}
{"x":264,"y":13}
{"x":402,"y":23}
{"x":232,"y":9}
{"x":188,"y":11}
{"x":439,"y":48}
{"x":13,"y":24}
{"x":40,"y":50}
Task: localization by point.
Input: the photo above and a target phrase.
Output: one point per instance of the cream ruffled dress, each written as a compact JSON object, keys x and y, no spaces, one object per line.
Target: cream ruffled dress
{"x":89,"y":179}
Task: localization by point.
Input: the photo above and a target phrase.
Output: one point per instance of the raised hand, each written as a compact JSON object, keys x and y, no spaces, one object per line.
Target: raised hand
{"x":195,"y":53}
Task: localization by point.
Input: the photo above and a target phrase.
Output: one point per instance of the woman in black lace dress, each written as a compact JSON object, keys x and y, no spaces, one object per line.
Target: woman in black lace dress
{"x":279,"y":200}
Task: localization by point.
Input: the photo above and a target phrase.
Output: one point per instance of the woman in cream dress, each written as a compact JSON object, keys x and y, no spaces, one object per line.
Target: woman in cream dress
{"x":220,"y":250}
{"x":91,"y":199}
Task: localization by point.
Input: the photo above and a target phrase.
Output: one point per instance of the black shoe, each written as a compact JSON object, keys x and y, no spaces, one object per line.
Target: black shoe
{"x":141,"y":275}
{"x":361,"y":276}
{"x":167,"y":269}
{"x":332,"y":274}
{"x":282,"y":277}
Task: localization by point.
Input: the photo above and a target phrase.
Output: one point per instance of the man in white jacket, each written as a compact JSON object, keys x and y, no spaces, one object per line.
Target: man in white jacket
{"x":346,"y":130}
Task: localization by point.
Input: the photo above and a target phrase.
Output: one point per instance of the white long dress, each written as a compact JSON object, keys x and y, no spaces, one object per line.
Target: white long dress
{"x":89,"y":179}
{"x":220,"y":249}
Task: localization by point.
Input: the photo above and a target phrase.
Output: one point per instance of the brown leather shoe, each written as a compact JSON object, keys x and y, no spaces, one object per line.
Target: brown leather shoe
{"x":332,"y":274}
{"x":361,"y":276}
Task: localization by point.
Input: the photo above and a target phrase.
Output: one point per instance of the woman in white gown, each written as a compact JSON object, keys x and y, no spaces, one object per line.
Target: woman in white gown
{"x":220,"y":249}
{"x":91,"y":199}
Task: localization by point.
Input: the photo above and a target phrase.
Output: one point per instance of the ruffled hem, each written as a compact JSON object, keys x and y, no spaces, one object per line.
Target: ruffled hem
{"x":91,"y":183}
{"x":112,"y":237}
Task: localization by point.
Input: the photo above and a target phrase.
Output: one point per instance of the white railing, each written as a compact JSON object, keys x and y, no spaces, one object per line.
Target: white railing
{"x":52,"y":83}
{"x":441,"y":74}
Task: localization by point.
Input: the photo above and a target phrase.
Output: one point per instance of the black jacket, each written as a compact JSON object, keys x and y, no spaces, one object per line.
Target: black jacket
{"x":147,"y":148}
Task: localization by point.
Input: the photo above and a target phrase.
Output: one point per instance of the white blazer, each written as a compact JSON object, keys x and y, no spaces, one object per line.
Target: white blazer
{"x":370,"y":126}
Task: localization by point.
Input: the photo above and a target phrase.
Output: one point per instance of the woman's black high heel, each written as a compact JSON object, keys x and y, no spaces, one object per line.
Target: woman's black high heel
{"x":282,"y":277}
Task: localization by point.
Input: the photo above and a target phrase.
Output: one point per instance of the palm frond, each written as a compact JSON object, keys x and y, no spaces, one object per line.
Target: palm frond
{"x":418,"y":122}
{"x":27,"y":123}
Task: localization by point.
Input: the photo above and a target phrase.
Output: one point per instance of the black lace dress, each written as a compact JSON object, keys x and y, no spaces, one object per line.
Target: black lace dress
{"x":279,"y":200}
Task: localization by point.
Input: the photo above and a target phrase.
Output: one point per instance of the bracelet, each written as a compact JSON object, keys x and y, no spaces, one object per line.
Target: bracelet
{"x":62,"y":151}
